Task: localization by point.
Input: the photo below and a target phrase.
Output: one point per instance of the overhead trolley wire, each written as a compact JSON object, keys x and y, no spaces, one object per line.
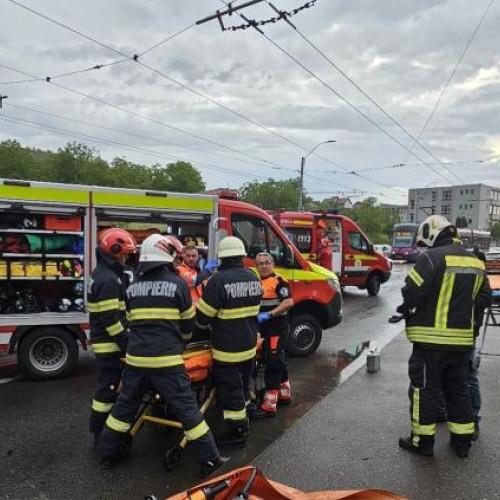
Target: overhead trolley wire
{"x":452,"y":75}
{"x":371,"y":99}
{"x":335,"y":92}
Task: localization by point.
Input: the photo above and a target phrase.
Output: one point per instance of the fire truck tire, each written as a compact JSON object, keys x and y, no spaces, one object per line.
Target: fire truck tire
{"x":47,"y":352}
{"x":373,"y":284}
{"x":305,"y":335}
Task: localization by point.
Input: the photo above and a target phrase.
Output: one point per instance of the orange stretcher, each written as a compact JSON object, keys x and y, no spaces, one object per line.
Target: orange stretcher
{"x":257,"y":487}
{"x":198,"y":362}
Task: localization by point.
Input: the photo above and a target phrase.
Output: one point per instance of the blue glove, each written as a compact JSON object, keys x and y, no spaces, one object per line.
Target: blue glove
{"x":211,"y":265}
{"x":263,"y":317}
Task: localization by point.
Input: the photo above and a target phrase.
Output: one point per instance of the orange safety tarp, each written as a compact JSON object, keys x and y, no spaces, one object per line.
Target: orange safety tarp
{"x":494,"y":280}
{"x":263,"y":488}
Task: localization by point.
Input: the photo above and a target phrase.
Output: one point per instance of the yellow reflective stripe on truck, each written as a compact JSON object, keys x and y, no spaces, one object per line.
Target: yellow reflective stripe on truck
{"x":187,"y":204}
{"x":44,"y":194}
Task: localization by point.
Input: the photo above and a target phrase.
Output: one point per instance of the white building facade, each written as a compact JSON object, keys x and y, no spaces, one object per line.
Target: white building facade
{"x":478,"y":203}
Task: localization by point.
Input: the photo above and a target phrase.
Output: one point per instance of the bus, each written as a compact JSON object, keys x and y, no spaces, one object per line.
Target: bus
{"x":404,"y":244}
{"x":470,"y":238}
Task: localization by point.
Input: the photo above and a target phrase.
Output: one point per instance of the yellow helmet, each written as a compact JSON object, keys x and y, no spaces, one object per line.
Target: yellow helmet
{"x":431,"y":228}
{"x":231,"y":247}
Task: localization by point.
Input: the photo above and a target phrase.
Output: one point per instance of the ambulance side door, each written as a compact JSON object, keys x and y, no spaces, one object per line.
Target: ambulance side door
{"x":357,"y":258}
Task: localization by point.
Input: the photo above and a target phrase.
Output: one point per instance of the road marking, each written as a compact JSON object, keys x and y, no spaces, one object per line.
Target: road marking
{"x":7,"y":380}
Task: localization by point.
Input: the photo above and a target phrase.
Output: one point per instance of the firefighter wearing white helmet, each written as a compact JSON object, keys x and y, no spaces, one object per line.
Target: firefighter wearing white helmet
{"x":442,"y":292}
{"x":230,"y":305}
{"x":161,"y":321}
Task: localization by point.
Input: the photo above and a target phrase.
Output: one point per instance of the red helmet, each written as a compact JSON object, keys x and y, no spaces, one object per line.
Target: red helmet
{"x":117,"y":242}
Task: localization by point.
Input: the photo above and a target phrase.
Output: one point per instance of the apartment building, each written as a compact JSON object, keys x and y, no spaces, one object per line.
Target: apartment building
{"x":478,"y":203}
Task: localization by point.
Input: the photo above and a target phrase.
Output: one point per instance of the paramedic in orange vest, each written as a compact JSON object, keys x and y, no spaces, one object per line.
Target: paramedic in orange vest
{"x":191,"y":273}
{"x":274,"y":328}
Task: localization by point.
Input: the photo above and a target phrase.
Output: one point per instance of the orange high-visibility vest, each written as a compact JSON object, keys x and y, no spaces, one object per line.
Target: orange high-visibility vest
{"x":189,"y":275}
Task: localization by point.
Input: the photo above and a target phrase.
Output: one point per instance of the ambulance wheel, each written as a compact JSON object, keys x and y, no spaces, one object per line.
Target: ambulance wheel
{"x":172,"y":458}
{"x":305,"y":335}
{"x":47,"y":352}
{"x":373,"y":285}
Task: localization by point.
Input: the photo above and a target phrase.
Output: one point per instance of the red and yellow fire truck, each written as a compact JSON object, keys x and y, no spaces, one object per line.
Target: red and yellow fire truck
{"x":337,"y":243}
{"x":48,"y":236}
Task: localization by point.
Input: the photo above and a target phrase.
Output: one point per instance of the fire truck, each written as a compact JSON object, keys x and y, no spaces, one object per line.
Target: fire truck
{"x":337,"y":243}
{"x":48,"y":235}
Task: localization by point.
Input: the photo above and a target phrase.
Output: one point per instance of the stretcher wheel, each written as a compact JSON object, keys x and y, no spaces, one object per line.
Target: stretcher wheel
{"x":172,"y":458}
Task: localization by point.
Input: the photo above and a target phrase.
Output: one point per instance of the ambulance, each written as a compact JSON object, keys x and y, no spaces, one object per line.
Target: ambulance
{"x":48,"y":235}
{"x":337,"y":243}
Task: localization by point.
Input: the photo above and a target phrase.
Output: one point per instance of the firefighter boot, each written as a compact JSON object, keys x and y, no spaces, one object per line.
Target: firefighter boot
{"x":422,"y":445}
{"x":461,"y":444}
{"x":209,"y":467}
{"x":268,"y":408}
{"x":285,"y":395}
{"x":235,"y":436}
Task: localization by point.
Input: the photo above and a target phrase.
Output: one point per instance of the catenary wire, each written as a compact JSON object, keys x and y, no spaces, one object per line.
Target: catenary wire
{"x":371,"y":99}
{"x":450,"y":78}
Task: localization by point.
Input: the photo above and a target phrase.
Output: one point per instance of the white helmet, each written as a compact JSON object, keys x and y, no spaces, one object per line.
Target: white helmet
{"x":231,"y":247}
{"x":160,"y":248}
{"x":431,"y":228}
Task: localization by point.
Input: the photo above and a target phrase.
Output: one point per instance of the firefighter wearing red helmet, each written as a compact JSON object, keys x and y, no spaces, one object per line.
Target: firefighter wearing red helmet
{"x":161,"y":321}
{"x":107,"y":311}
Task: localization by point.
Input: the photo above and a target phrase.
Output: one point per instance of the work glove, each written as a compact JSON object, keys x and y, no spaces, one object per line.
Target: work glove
{"x":401,"y":309}
{"x":263,"y":317}
{"x":211,"y":265}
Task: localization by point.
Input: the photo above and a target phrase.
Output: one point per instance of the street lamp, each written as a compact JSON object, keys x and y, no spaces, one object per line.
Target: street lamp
{"x":302,"y":165}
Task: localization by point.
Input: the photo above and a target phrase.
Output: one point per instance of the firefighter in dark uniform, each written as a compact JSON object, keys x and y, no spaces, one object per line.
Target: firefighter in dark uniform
{"x":440,"y":296}
{"x":230,"y":305}
{"x":274,"y":329}
{"x":161,"y":321}
{"x":108,"y":325}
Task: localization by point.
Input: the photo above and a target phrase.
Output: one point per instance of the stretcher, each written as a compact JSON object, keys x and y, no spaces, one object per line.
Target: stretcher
{"x":198,"y":364}
{"x":249,"y":482}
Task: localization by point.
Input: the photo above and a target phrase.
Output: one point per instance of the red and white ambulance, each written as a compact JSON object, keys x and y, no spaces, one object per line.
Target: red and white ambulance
{"x":337,"y":243}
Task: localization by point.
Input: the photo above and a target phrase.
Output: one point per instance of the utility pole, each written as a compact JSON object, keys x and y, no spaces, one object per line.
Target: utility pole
{"x":302,"y":166}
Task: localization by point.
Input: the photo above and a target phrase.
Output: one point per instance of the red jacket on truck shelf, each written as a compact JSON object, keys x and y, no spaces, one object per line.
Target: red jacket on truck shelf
{"x":43,"y":317}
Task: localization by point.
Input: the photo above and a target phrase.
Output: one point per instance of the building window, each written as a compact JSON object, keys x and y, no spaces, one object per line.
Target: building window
{"x":412,"y":204}
{"x":412,"y":217}
{"x":434,"y":196}
{"x":470,"y":221}
{"x":446,"y":209}
{"x":466,"y":191}
{"x":471,"y":191}
{"x":446,"y":195}
{"x":471,"y":205}
{"x":461,"y":191}
{"x":433,"y":210}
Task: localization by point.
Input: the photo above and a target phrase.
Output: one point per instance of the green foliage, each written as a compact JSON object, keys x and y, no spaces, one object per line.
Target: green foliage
{"x":495,"y":232}
{"x":273,"y":194}
{"x":79,"y":164}
{"x":461,"y":222}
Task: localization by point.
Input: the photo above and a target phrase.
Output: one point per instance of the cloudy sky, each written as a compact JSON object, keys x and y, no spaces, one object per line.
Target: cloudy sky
{"x":399,"y":52}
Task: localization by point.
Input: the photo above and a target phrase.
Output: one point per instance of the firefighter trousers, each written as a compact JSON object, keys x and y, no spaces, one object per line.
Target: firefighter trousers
{"x":276,"y":369}
{"x":109,"y":372}
{"x":232,"y":382}
{"x":174,"y":385}
{"x":432,"y":372}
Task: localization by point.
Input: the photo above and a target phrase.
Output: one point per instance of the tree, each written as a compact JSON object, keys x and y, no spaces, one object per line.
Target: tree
{"x":15,"y":161}
{"x":273,"y":194}
{"x":180,"y":176}
{"x":461,"y":222}
{"x":495,"y":232}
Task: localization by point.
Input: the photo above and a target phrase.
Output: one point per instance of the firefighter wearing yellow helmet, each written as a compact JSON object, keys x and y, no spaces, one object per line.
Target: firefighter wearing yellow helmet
{"x":440,"y":296}
{"x":230,"y":305}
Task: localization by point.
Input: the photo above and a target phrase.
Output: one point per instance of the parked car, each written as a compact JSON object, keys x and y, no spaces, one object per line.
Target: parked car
{"x":385,"y":249}
{"x":492,"y":262}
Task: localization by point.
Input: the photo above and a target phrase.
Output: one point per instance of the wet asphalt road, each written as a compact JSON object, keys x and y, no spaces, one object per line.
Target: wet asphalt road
{"x":46,"y":451}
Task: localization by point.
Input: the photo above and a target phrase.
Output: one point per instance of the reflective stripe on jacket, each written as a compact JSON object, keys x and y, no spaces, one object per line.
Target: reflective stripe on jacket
{"x":230,"y":304}
{"x":444,"y":286}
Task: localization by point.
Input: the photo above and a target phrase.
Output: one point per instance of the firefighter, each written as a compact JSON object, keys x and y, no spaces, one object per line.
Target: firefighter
{"x":190,"y":271}
{"x":108,"y":325}
{"x":274,"y":328}
{"x":440,"y":295}
{"x":230,"y":305}
{"x":161,"y":319}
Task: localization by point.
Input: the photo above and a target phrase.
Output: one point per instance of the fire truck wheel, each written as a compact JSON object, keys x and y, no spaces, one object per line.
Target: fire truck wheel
{"x":373,"y":285}
{"x":305,"y":335}
{"x":47,"y":352}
